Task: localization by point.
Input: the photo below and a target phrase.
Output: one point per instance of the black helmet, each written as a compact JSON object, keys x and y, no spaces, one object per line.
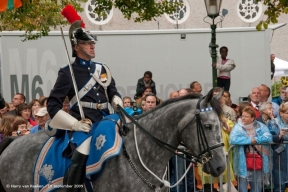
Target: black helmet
{"x":77,"y":34}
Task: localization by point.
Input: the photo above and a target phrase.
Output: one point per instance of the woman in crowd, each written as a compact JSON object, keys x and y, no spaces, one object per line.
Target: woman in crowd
{"x":228,"y":102}
{"x":250,"y":132}
{"x":266,"y":111}
{"x":241,"y":107}
{"x":20,"y":127}
{"x":6,"y":126}
{"x":34,"y":105}
{"x":277,"y":129}
{"x":25,"y":111}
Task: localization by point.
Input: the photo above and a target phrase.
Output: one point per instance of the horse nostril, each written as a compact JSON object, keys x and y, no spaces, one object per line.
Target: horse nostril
{"x":220,"y":169}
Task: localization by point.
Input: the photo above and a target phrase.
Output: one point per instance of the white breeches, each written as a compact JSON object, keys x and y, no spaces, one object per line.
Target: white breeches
{"x":84,"y":148}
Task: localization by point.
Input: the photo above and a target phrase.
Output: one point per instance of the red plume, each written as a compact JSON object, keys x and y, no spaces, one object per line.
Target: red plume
{"x":71,"y":15}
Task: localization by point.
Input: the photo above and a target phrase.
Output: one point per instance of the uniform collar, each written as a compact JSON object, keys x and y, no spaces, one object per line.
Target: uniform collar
{"x":85,"y":62}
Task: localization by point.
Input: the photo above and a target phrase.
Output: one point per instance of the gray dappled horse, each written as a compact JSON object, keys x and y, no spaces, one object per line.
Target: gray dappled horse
{"x":172,"y":122}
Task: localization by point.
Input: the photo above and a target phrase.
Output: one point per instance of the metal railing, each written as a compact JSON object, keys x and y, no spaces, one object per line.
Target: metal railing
{"x":177,"y":166}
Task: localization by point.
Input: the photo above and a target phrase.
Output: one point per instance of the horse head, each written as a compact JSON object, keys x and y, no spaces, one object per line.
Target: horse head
{"x":200,"y":132}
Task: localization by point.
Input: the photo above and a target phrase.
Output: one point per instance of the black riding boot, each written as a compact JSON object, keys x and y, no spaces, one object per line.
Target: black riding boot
{"x":76,"y":172}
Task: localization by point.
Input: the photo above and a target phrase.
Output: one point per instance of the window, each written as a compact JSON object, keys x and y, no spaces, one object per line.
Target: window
{"x":181,"y":14}
{"x":248,"y":10}
{"x":93,"y":17}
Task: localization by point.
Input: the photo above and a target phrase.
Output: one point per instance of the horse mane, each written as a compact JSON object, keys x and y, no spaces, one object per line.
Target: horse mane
{"x":169,"y":101}
{"x":5,"y":142}
{"x":215,"y":104}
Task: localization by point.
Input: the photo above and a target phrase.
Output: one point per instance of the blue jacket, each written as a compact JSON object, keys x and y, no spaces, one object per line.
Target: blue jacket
{"x":239,"y":136}
{"x":275,"y":125}
{"x":277,"y":100}
{"x":35,"y":129}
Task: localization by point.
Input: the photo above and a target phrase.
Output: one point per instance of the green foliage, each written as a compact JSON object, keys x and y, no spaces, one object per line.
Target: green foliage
{"x":143,"y":10}
{"x":36,"y":17}
{"x":275,"y":88}
{"x":274,"y":9}
{"x":42,"y":15}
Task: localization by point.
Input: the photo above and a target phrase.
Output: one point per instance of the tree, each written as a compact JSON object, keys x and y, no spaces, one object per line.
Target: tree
{"x":36,"y":17}
{"x":42,"y":15}
{"x":274,"y":9}
{"x":146,"y":10}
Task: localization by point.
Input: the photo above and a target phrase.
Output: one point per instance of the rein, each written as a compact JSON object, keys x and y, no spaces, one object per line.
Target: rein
{"x":160,"y":142}
{"x":202,"y":157}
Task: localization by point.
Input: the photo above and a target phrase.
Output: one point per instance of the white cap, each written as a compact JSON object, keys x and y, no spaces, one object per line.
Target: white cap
{"x":42,"y":111}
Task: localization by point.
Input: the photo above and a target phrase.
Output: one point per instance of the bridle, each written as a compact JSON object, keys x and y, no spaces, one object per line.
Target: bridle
{"x":205,"y":154}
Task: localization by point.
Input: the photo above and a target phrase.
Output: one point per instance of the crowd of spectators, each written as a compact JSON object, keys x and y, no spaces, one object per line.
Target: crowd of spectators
{"x":19,"y":118}
{"x":247,"y":124}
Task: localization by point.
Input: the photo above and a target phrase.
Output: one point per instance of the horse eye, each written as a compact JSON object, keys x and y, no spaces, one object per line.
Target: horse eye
{"x":208,"y":126}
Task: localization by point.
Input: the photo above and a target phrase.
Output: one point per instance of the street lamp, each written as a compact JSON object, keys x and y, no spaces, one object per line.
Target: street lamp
{"x":213,"y":9}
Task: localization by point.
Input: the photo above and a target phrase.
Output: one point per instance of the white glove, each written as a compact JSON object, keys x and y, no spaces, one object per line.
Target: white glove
{"x":65,"y":121}
{"x":116,"y":101}
{"x":81,"y":126}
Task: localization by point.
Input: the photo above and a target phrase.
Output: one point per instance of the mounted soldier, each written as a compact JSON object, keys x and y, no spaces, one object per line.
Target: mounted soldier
{"x":96,"y":90}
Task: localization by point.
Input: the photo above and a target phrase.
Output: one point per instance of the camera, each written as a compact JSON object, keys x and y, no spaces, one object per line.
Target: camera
{"x":18,"y":133}
{"x":280,"y":149}
{"x":136,"y":110}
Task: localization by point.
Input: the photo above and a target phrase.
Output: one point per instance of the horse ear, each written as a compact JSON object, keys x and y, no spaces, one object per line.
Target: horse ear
{"x":209,"y":96}
{"x":219,"y":95}
{"x":214,"y":101}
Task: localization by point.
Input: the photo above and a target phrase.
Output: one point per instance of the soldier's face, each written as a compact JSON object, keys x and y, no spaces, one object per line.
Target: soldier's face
{"x":85,"y":50}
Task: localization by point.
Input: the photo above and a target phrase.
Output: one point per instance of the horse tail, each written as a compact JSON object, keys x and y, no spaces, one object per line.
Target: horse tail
{"x":5,"y":143}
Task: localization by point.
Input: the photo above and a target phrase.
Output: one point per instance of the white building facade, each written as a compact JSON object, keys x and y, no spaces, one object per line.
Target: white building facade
{"x":235,"y":13}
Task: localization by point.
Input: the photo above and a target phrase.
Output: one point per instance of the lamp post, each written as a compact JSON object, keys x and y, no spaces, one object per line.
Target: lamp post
{"x":213,"y":9}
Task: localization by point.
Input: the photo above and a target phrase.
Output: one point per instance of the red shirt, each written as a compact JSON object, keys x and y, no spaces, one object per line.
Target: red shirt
{"x":33,"y":123}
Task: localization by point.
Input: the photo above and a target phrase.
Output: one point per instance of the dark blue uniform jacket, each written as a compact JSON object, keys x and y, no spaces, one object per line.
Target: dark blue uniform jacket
{"x":64,"y":87}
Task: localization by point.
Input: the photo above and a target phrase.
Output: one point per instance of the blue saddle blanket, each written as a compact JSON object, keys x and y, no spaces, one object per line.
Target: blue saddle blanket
{"x":51,"y":166}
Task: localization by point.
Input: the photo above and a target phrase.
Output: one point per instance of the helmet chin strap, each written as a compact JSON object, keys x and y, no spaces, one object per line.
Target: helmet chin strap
{"x":85,"y":52}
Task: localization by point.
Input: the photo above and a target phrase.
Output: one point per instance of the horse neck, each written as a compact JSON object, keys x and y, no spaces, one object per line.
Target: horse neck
{"x":160,"y":124}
